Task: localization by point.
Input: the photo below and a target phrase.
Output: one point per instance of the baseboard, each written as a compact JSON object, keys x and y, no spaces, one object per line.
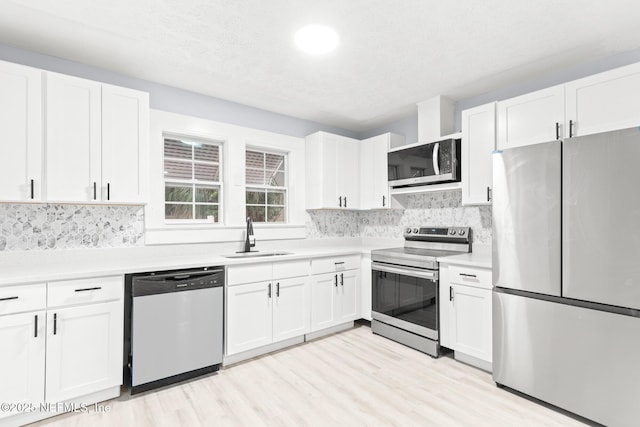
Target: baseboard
{"x":473,"y":361}
{"x":329,"y":331}
{"x":249,"y":354}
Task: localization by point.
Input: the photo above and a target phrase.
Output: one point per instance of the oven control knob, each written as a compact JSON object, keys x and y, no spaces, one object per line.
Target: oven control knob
{"x":461,"y":232}
{"x":408,"y":231}
{"x":415,"y":230}
{"x":452,"y":231}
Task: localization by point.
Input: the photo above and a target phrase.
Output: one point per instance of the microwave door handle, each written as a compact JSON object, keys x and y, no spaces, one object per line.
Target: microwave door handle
{"x":434,"y":158}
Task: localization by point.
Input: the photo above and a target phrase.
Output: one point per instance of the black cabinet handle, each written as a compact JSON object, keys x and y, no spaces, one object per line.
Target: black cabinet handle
{"x":450,"y":293}
{"x":269,"y":292}
{"x":95,"y":191}
{"x":468,"y":275}
{"x":345,"y":201}
{"x":55,"y":323}
{"x":35,"y":326}
{"x":557,"y":130}
{"x":384,"y":202}
{"x":32,"y":189}
{"x":278,"y":289}
{"x":335,"y":277}
{"x":488,"y":194}
{"x":89,"y":289}
{"x":570,"y":128}
{"x":342,"y":279}
{"x":340,"y":201}
{"x":108,"y":191}
{"x":339,"y":263}
{"x":8,"y":298}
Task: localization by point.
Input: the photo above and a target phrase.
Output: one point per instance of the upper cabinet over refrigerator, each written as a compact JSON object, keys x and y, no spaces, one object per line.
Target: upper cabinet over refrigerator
{"x":601,"y":215}
{"x":526,"y":218}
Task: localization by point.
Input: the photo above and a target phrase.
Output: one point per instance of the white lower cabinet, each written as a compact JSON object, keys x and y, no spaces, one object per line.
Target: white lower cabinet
{"x":84,"y":350}
{"x":22,"y":359}
{"x":465,"y":314}
{"x":267,"y":311}
{"x":334,"y":299}
{"x":62,"y":341}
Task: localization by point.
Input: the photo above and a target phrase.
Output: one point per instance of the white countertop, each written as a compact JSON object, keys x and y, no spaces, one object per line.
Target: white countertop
{"x":480,"y":257}
{"x":44,"y":266}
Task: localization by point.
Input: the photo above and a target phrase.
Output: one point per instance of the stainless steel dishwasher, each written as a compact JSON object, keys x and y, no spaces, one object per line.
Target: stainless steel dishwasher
{"x":173,"y":326}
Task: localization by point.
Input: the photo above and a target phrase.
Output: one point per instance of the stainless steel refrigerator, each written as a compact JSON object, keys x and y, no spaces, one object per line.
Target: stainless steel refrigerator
{"x":566,"y":274}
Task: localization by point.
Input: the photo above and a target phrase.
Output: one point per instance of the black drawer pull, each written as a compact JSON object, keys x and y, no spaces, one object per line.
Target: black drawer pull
{"x":468,"y":275}
{"x":89,"y":289}
{"x":339,"y":262}
{"x":8,"y":298}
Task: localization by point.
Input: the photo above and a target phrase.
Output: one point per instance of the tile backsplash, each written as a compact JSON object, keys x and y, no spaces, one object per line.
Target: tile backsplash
{"x":47,"y":226}
{"x":438,"y":209}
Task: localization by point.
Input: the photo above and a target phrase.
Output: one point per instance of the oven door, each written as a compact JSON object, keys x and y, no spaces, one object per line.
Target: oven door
{"x":405,"y":297}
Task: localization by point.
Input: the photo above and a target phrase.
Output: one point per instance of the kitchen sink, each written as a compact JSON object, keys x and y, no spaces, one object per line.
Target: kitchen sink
{"x":256,"y":254}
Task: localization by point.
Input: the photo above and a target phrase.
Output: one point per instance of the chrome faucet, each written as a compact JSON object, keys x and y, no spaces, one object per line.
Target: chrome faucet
{"x":250,"y":241}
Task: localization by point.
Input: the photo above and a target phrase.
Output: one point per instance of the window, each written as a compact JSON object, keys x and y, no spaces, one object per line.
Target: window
{"x":192,"y":180}
{"x":266,"y":180}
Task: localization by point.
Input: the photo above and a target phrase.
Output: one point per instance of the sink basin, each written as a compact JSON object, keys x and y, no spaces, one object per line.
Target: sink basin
{"x":256,"y":254}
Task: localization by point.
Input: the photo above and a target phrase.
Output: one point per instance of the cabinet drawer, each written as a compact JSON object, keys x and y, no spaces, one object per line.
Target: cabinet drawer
{"x":20,"y":298}
{"x":478,"y":277}
{"x":249,"y":273}
{"x":283,"y":270}
{"x":82,"y":291}
{"x":332,"y":264}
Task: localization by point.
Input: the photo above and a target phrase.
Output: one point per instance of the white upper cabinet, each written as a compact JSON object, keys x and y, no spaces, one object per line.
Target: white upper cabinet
{"x":21,"y":130}
{"x":68,"y":139}
{"x":603,"y":102}
{"x":332,"y":171}
{"x":125,"y":129}
{"x":96,"y":141}
{"x":531,"y":118}
{"x":73,"y":134}
{"x":478,"y":143}
{"x":374,"y":180}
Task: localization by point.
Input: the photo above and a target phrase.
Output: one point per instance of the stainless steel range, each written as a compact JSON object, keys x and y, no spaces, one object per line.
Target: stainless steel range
{"x":405,"y":305}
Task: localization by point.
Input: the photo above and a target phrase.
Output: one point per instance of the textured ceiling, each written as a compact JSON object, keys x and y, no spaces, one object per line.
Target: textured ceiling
{"x":392,"y":54}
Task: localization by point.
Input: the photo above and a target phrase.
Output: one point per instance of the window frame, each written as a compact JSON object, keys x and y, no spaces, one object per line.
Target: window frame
{"x":265,"y":188}
{"x":194,"y":182}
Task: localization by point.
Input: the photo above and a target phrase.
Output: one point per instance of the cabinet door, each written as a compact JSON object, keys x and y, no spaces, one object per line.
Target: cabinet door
{"x":22,"y":359}
{"x":21,"y":130}
{"x":478,"y":142}
{"x":291,"y":308}
{"x":348,"y":172}
{"x":125,"y":124}
{"x":531,"y":118}
{"x":374,"y":184}
{"x":324,"y":295}
{"x":471,"y":321}
{"x":321,"y":184}
{"x":348,"y":292}
{"x":249,"y":309}
{"x":84,"y":350}
{"x":604,"y":102}
{"x":73,"y":116}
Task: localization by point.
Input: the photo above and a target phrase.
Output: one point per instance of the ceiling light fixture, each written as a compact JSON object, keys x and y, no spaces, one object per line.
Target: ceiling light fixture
{"x":316,"y":39}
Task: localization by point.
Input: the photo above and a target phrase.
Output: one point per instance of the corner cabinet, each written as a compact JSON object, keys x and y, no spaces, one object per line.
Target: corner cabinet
{"x":21,"y":129}
{"x":374,"y":179}
{"x":95,"y":141}
{"x":332,"y":171}
{"x":466,"y":314}
{"x":478,"y":144}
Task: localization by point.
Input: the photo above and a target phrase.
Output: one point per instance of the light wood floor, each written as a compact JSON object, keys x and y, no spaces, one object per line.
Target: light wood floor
{"x":353,"y":378}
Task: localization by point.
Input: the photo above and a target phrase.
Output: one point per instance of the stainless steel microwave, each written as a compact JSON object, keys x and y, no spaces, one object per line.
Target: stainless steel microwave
{"x":423,"y":164}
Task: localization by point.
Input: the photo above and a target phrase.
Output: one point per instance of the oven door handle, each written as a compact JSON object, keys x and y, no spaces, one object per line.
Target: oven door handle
{"x":406,"y":271}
